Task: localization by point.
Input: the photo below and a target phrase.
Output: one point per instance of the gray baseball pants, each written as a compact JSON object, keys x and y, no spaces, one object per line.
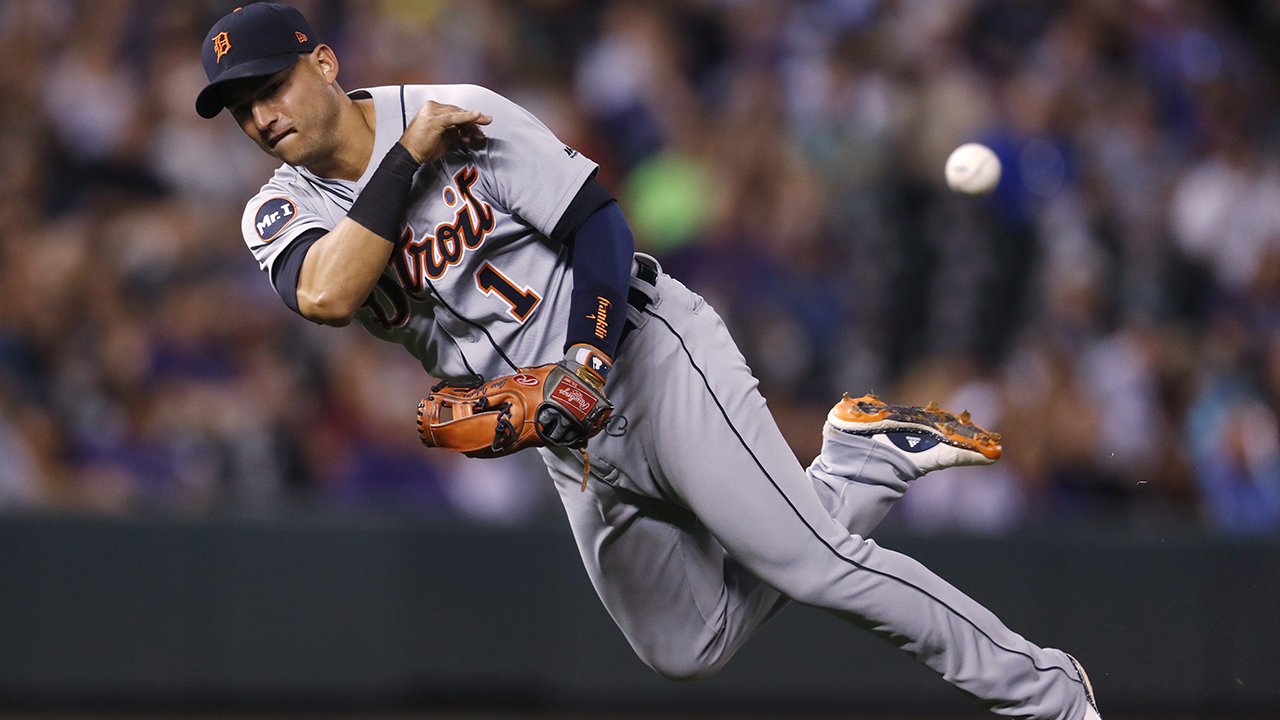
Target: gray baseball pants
{"x":699,"y":525}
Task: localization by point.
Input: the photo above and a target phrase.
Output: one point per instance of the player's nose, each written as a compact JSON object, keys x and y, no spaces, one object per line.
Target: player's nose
{"x":264,"y":117}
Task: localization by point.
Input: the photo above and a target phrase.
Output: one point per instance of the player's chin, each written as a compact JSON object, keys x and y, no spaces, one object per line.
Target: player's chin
{"x":287,"y":149}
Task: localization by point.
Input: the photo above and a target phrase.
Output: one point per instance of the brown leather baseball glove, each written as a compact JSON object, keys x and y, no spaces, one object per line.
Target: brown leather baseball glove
{"x":543,"y":405}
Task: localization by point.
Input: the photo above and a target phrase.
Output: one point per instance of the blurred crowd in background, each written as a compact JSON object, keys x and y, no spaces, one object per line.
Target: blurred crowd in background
{"x":1113,"y":308}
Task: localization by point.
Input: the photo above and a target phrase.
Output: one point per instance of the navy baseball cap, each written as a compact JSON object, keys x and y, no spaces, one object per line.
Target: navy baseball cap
{"x":256,"y":40}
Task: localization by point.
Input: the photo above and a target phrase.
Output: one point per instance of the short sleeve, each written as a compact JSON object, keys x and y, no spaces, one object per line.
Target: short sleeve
{"x":273,"y":220}
{"x":531,"y":172}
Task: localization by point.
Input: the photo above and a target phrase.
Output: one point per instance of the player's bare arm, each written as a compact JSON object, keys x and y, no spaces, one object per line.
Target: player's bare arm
{"x":341,"y":269}
{"x":339,"y":272}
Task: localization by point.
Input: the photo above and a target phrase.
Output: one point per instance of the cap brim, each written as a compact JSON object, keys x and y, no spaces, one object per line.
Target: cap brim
{"x":209,"y":102}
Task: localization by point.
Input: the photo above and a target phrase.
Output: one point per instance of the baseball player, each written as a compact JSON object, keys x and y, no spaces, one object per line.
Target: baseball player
{"x":449,"y":220}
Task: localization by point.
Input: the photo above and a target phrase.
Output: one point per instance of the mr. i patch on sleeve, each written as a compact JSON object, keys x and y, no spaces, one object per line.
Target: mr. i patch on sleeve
{"x":273,"y":216}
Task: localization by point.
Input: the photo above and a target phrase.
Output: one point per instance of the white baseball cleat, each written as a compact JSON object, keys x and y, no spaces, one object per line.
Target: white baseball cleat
{"x":1090,"y":710}
{"x":930,"y":437}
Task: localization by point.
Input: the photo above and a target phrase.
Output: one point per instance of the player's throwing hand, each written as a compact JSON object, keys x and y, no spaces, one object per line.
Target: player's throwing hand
{"x":437,"y":127}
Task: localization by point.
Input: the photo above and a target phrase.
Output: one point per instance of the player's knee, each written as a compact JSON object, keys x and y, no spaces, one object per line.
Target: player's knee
{"x":680,"y":665}
{"x":680,"y":669}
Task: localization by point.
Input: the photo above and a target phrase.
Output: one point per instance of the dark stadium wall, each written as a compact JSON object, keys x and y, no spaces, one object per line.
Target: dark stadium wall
{"x":136,"y":614}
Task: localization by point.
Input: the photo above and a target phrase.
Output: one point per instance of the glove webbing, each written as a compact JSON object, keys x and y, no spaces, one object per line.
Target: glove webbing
{"x":504,"y":429}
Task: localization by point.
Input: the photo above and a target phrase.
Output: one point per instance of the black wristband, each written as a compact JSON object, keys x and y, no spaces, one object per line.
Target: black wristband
{"x":381,"y":206}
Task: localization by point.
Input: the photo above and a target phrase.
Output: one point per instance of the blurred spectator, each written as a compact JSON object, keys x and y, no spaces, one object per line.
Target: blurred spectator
{"x":1234,"y":439}
{"x":21,"y":477}
{"x":972,"y":500}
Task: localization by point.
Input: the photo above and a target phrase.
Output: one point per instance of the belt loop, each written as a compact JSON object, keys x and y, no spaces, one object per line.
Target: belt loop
{"x":643,"y":293}
{"x":646,"y":267}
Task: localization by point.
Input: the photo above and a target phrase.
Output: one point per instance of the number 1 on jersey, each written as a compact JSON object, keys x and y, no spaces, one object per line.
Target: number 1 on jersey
{"x":522,"y":302}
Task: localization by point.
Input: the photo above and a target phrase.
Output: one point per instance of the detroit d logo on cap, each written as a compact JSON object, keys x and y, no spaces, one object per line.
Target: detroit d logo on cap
{"x":221,"y":45}
{"x":273,"y":216}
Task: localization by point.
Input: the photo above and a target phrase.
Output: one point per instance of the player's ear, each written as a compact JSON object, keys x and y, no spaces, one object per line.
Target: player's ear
{"x":326,"y":62}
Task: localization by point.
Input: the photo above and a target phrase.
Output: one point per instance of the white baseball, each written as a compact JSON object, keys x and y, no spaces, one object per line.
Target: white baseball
{"x":973,"y":169}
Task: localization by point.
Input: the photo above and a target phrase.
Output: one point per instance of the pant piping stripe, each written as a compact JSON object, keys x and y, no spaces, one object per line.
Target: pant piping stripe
{"x":819,"y":537}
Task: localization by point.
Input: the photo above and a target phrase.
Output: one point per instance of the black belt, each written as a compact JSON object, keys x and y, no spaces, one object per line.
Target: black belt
{"x":637,"y":299}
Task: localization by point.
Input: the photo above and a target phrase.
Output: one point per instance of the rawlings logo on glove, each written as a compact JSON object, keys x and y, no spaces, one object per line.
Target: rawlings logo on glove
{"x":544,"y":405}
{"x":572,"y":396}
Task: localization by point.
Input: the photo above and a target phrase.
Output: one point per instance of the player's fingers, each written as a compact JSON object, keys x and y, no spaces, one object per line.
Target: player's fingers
{"x":461,"y":134}
{"x":470,"y":131}
{"x":434,"y":108}
{"x":438,"y":115}
{"x":438,"y":127}
{"x":462,"y":117}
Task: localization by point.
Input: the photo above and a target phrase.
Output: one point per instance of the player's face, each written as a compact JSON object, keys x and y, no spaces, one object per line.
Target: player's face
{"x":291,"y":115}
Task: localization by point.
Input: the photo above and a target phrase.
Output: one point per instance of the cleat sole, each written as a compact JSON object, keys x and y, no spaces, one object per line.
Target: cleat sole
{"x":868,"y":415}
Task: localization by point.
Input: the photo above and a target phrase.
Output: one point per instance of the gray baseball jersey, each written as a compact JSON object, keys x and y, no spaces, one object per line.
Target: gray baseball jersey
{"x":478,"y":288}
{"x":700,"y":525}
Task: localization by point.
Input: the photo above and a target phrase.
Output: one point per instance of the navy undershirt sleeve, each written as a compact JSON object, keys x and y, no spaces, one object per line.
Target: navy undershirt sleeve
{"x":590,"y":197}
{"x":601,"y":253}
{"x":284,"y":274}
